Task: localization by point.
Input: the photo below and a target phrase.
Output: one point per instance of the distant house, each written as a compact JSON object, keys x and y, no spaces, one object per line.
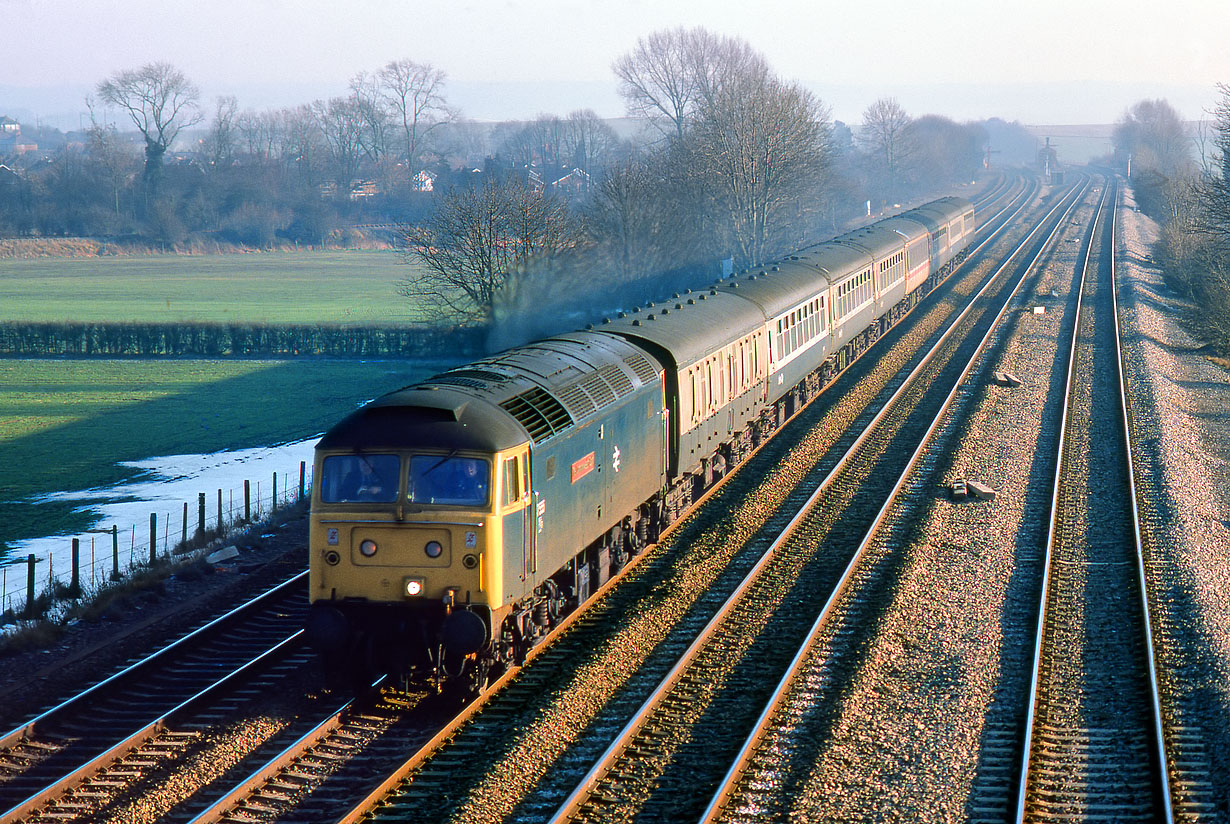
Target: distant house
{"x":535,"y":181}
{"x":363,"y":189}
{"x":424,"y":181}
{"x":574,"y":183}
{"x":11,"y":141}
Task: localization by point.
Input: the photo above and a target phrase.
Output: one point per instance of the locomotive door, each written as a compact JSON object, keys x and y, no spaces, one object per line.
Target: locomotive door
{"x":517,"y":521}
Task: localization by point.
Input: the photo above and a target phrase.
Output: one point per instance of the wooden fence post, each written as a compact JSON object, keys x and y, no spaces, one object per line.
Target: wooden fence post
{"x":200,"y":514}
{"x":74,"y":585}
{"x":153,"y":537}
{"x":30,"y":561}
{"x":115,"y":552}
{"x":302,"y":477}
{"x":247,"y":501}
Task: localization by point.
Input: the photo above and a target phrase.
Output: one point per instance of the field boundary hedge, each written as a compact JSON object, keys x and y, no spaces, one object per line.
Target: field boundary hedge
{"x":220,"y":340}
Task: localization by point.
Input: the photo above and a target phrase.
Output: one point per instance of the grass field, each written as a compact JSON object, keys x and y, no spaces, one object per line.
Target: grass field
{"x":356,"y":287}
{"x":64,"y":424}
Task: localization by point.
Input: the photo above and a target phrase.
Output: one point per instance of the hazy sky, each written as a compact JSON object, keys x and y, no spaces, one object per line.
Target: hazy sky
{"x":1043,"y":61}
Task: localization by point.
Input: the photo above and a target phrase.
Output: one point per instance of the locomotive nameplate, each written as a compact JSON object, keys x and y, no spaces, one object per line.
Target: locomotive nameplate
{"x":582,"y":467}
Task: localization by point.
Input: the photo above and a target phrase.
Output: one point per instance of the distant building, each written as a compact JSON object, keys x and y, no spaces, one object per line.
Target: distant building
{"x":11,"y":141}
{"x":363,"y":189}
{"x":424,"y":181}
{"x":575,"y":182}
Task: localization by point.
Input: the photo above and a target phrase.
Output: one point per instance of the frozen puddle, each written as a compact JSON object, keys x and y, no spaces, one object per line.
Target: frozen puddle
{"x":165,"y":484}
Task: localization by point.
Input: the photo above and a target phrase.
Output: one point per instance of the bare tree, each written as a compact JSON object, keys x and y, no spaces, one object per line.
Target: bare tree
{"x":763,"y":147}
{"x":1214,"y":188}
{"x":303,"y":146}
{"x":942,"y":152}
{"x":886,"y":137}
{"x":414,"y":93}
{"x":161,"y":101}
{"x":342,"y":123}
{"x":114,"y":159}
{"x":367,"y":98}
{"x":260,"y":132}
{"x":657,"y":79}
{"x":627,"y":217}
{"x":541,"y":140}
{"x":586,"y":140}
{"x":1153,"y":134}
{"x":220,"y":143}
{"x":753,"y":143}
{"x":546,"y":139}
{"x":476,"y":241}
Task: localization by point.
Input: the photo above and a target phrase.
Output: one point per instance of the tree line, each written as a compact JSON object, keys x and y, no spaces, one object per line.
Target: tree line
{"x":721,"y":160}
{"x":1183,"y":181}
{"x":733,"y":167}
{"x":188,"y":339}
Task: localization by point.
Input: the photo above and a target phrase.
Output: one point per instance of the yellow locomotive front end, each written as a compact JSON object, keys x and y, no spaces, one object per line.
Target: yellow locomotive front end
{"x":406,"y":539}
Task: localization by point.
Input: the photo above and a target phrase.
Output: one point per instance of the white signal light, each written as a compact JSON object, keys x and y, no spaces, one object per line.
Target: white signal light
{"x":414,"y":587}
{"x":368,"y":548}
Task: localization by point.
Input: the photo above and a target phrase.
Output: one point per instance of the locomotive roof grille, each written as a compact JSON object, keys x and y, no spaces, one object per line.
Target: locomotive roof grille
{"x":457,"y":380}
{"x":540,"y":413}
{"x":641,"y":366}
{"x":473,"y":378}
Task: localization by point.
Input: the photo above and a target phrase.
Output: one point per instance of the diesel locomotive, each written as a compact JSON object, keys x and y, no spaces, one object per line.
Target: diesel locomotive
{"x":456,"y":521}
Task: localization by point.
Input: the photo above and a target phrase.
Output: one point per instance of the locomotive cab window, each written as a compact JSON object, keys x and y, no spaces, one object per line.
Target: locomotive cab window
{"x":449,"y":480}
{"x":515,"y":481}
{"x":360,"y":479}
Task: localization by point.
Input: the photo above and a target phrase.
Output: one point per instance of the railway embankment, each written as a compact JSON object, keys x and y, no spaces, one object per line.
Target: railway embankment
{"x":1180,"y":397}
{"x":145,"y":615}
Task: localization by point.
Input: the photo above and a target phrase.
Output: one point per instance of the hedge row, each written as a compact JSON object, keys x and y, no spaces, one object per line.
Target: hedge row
{"x":230,"y":340}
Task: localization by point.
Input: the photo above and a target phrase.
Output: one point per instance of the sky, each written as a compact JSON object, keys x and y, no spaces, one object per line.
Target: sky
{"x":1038,"y":62}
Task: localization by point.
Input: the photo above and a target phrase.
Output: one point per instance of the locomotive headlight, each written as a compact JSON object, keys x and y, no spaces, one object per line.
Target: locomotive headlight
{"x":368,"y":548}
{"x":433,"y":549}
{"x":413,"y":587}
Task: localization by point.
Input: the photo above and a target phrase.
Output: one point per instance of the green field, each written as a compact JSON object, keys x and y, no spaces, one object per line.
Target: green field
{"x":355,"y":287}
{"x":65,"y":424}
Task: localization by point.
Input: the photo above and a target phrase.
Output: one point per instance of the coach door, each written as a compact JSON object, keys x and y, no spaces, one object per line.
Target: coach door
{"x":516,"y":515}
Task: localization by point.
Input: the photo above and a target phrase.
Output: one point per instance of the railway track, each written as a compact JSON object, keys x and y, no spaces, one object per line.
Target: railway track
{"x":84,"y":752}
{"x":1095,"y":740}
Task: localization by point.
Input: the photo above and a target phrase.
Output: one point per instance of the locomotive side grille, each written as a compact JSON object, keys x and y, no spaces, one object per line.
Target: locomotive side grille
{"x":540,"y":413}
{"x":599,"y":390}
{"x":577,"y":401}
{"x":619,"y":381}
{"x":641,"y":367}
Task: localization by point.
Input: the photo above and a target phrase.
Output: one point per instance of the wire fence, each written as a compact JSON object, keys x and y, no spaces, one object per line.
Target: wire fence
{"x":84,"y":564}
